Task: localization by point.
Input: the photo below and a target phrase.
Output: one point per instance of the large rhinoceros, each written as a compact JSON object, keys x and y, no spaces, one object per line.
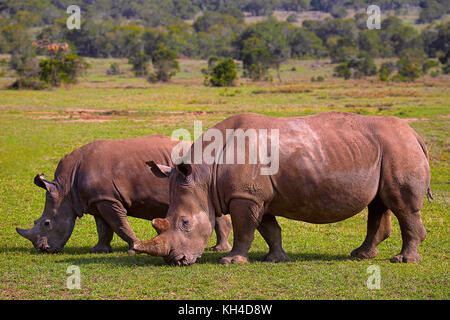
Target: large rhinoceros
{"x":330,"y":167}
{"x":108,"y":179}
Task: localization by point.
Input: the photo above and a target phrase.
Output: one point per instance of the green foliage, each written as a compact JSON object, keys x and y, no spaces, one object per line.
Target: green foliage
{"x":304,"y":43}
{"x":65,"y":69}
{"x":407,"y":70}
{"x":29,"y":83}
{"x":165,"y":63}
{"x":385,"y":70}
{"x":256,"y":58}
{"x":139,"y":62}
{"x":341,"y":49}
{"x":114,"y":69}
{"x":431,"y":10}
{"x":361,"y":66}
{"x":429,"y":64}
{"x":223,"y":73}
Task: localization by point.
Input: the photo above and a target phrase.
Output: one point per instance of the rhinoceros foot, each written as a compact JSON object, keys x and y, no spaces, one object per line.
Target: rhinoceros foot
{"x":101,"y":248}
{"x":221,"y":247}
{"x":364,"y":253}
{"x":276,"y":256}
{"x":406,"y":258}
{"x":233,"y":259}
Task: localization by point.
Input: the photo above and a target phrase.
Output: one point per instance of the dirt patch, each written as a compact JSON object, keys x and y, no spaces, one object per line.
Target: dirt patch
{"x":414,"y":119}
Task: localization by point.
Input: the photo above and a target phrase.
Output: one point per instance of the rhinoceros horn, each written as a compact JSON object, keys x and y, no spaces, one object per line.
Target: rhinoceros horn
{"x":158,"y":246}
{"x":26,"y":233}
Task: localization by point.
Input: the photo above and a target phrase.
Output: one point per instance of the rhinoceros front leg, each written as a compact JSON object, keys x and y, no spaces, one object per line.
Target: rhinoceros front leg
{"x":245,"y":215}
{"x":116,"y":217}
{"x":271,"y":232}
{"x":105,"y":235}
{"x":223,"y":230}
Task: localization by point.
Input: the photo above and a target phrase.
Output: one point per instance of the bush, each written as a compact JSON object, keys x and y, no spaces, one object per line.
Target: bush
{"x":407,"y":71}
{"x":114,"y":69}
{"x":29,"y":83}
{"x":223,"y":73}
{"x":63,"y":69}
{"x":139,"y":61}
{"x":385,"y":70}
{"x":357,"y":68}
{"x":343,"y":71}
{"x":429,"y":64}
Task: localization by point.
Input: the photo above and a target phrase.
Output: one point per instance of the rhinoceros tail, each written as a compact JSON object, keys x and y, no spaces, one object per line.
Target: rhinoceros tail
{"x":429,"y":195}
{"x":425,"y":151}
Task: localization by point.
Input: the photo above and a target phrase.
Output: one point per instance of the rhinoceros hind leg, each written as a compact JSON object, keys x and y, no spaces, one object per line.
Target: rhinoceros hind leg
{"x":271,"y":232}
{"x":222,"y":229}
{"x":413,"y":233}
{"x":379,"y":228}
{"x":105,"y":235}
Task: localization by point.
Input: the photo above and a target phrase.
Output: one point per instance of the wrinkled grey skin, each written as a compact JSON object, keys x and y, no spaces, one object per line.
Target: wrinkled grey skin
{"x":108,"y":179}
{"x":331,"y":166}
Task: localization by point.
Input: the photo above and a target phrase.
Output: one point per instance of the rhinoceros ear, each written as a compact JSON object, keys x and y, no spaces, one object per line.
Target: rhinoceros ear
{"x":159,"y":170}
{"x":44,"y":184}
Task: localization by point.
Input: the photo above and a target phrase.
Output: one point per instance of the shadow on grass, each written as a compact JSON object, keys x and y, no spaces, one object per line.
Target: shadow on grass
{"x":208,"y":257}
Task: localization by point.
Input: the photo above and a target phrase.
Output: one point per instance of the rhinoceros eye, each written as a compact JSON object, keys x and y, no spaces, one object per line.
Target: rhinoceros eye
{"x":185,"y":224}
{"x":47,"y":223}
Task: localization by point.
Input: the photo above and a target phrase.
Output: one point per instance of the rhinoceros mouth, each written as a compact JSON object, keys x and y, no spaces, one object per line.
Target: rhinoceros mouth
{"x":179,"y":259}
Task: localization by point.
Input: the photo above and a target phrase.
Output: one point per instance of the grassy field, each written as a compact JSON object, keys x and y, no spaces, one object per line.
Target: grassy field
{"x":38,"y":127}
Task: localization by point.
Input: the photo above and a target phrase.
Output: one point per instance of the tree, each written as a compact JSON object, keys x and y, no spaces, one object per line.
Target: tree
{"x":306,"y":43}
{"x":256,"y":58}
{"x":341,"y":49}
{"x":431,"y":10}
{"x":272,"y":46}
{"x":165,"y":62}
{"x":62,"y":66}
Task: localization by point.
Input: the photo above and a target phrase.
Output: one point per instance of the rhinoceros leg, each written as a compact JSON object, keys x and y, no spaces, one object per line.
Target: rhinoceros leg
{"x":105,"y":235}
{"x":222,"y":229}
{"x":271,"y":232}
{"x":116,"y":216}
{"x":379,"y":228}
{"x":413,"y":233}
{"x":246,"y":216}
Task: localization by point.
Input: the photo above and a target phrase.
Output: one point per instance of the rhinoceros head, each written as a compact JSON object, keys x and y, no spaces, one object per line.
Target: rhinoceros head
{"x":53,"y":229}
{"x":184,"y":233}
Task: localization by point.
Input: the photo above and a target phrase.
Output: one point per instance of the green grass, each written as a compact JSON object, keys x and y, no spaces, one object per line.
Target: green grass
{"x":38,"y":127}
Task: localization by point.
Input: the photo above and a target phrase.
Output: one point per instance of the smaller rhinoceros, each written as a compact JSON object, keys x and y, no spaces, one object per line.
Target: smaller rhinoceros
{"x":110,"y":180}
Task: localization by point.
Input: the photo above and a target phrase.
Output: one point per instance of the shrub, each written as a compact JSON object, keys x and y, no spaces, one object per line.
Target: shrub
{"x":357,"y":68}
{"x":28,"y":83}
{"x":139,"y":62}
{"x":429,"y":64}
{"x":114,"y":69}
{"x":385,"y":70}
{"x":223,"y":73}
{"x":63,"y":69}
{"x":407,"y":71}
